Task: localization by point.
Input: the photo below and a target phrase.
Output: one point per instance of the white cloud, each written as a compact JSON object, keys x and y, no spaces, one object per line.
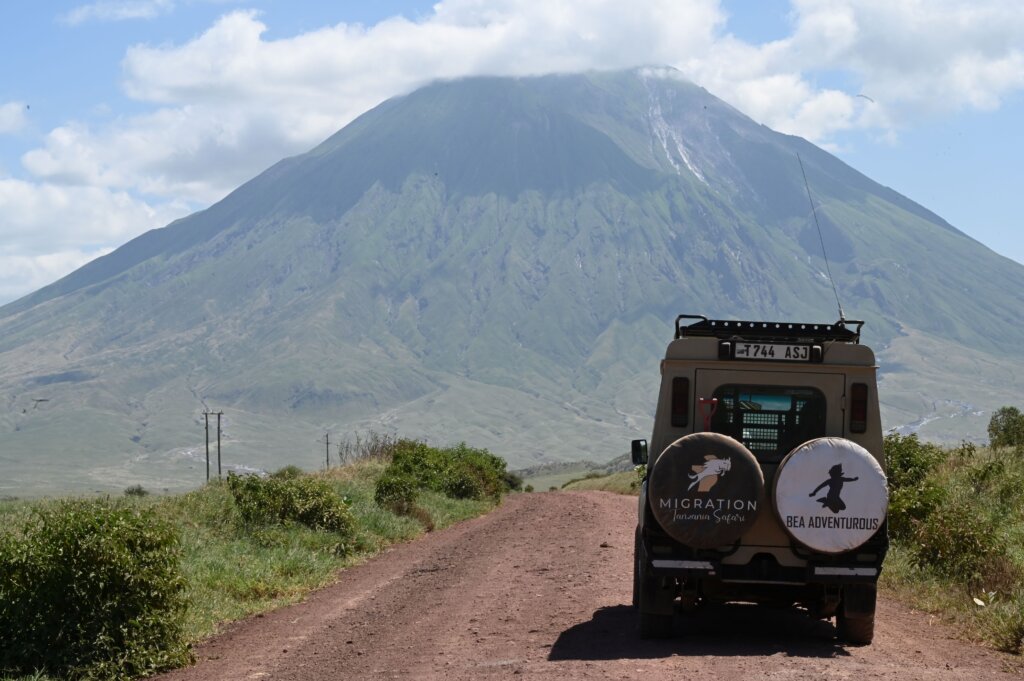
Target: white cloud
{"x":48,"y":230}
{"x":916,"y":59}
{"x":23,"y":274}
{"x":117,"y":10}
{"x":12,"y":117}
{"x":40,"y":217}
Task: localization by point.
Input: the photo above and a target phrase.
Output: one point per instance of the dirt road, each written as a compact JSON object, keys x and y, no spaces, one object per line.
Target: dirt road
{"x":540,"y":588}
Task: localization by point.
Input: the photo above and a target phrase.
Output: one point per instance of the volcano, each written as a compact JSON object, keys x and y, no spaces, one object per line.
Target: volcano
{"x":494,"y":260}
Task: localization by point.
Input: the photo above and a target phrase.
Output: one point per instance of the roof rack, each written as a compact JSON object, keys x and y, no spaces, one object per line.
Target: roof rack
{"x":725,"y":329}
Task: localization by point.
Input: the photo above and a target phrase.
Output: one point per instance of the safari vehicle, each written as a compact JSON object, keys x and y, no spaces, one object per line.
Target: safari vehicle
{"x":767,"y":484}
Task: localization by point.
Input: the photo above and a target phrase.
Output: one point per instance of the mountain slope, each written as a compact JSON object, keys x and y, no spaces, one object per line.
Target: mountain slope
{"x":495,"y":260}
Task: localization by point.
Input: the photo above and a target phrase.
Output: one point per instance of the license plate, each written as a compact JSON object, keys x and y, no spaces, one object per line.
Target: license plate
{"x":782,"y":352}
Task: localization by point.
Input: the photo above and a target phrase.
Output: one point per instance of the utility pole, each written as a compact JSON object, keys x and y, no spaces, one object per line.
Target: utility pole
{"x":219,"y":414}
{"x":327,"y":444}
{"x":206,"y":416}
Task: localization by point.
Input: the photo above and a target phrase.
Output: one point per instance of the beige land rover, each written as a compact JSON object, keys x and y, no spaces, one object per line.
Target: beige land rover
{"x":767,"y":480}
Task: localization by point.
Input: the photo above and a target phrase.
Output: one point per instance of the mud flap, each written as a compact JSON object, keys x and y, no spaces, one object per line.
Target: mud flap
{"x":656,"y":597}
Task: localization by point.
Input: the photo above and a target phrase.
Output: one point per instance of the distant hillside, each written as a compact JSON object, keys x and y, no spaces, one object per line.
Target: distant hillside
{"x":496,"y":260}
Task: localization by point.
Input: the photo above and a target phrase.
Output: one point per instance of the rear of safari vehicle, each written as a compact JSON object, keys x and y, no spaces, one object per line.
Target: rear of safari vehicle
{"x":765,"y":481}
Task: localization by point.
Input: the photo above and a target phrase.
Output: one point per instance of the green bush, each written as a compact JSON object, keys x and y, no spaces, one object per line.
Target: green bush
{"x":305,"y":500}
{"x":959,"y":541}
{"x":1006,"y":427}
{"x":396,"y":490}
{"x":288,"y":472}
{"x":910,"y":506}
{"x":92,"y":590}
{"x":473,"y":473}
{"x":512,"y":481}
{"x":459,"y":472}
{"x":908,"y":461}
{"x":461,"y":481}
{"x":136,"y":491}
{"x":1007,"y":632}
{"x":419,"y":462}
{"x":913,"y":495}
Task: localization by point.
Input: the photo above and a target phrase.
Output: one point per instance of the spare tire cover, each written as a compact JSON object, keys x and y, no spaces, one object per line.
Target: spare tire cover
{"x":705,"y":490}
{"x":831,"y":494}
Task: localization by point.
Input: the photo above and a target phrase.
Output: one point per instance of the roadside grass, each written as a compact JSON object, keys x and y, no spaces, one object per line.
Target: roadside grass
{"x":620,"y":483}
{"x":543,"y":483}
{"x":956,"y":521}
{"x":233,"y":569}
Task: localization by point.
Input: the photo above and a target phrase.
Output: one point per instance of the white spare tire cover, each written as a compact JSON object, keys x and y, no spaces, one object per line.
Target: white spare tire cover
{"x":830,"y":494}
{"x":705,"y":490}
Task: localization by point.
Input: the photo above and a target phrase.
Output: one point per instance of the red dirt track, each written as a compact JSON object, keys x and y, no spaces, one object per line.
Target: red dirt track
{"x":540,"y":588}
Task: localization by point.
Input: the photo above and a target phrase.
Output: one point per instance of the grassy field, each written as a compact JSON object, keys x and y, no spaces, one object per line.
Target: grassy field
{"x":233,"y":568}
{"x":956,"y":522}
{"x":622,"y":483}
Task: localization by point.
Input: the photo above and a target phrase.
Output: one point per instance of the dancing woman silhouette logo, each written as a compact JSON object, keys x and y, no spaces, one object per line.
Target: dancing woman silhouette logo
{"x":835,"y":482}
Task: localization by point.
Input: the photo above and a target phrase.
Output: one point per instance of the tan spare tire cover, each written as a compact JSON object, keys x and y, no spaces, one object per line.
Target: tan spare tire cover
{"x":830,"y":494}
{"x":705,"y":490}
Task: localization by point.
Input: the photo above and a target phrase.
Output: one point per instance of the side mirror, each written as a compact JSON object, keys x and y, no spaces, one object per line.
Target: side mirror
{"x":639,"y":451}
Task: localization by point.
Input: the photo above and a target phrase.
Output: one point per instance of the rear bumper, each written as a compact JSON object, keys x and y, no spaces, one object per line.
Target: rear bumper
{"x":666,"y":558}
{"x":764,"y":569}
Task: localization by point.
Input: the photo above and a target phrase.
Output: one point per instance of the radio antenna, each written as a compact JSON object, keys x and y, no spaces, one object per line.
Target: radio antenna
{"x":842,"y":316}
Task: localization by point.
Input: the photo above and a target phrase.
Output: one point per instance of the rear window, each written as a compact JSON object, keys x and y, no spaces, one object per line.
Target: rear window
{"x":769,"y":420}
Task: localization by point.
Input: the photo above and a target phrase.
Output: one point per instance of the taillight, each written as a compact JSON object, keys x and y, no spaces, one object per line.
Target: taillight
{"x":680,"y":401}
{"x":858,"y":407}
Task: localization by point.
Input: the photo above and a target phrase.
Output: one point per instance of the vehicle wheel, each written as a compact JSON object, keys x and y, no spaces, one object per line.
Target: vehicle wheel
{"x":654,"y":603}
{"x":855,"y":618}
{"x":636,"y":571}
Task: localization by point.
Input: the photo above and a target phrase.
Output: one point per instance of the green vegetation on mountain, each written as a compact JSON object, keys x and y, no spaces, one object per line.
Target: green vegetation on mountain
{"x":493,"y":260}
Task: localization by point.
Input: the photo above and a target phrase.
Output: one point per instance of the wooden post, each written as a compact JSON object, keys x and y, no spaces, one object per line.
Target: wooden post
{"x":206,"y":416}
{"x":219,"y":413}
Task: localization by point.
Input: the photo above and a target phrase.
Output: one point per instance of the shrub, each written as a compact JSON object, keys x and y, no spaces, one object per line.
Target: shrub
{"x":92,"y":589}
{"x":288,"y":472}
{"x":1008,"y":626}
{"x":908,"y":460}
{"x":305,"y":500}
{"x":1006,"y":428}
{"x":422,"y":464}
{"x":136,"y":491}
{"x":374,"y":446}
{"x":913,"y":495}
{"x":471,"y":473}
{"x":459,"y":472}
{"x":959,"y":541}
{"x":910,"y":506}
{"x":512,"y":481}
{"x":640,"y":470}
{"x":396,"y":490}
{"x":461,"y":481}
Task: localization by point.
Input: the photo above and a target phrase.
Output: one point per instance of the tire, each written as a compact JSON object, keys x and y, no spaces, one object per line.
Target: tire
{"x":652,"y":602}
{"x":636,"y":570}
{"x":855,"y":619}
{"x":819,"y":480}
{"x":701,"y":471}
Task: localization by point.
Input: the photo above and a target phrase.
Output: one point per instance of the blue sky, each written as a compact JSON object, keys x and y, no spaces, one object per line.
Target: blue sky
{"x":118,"y":116}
